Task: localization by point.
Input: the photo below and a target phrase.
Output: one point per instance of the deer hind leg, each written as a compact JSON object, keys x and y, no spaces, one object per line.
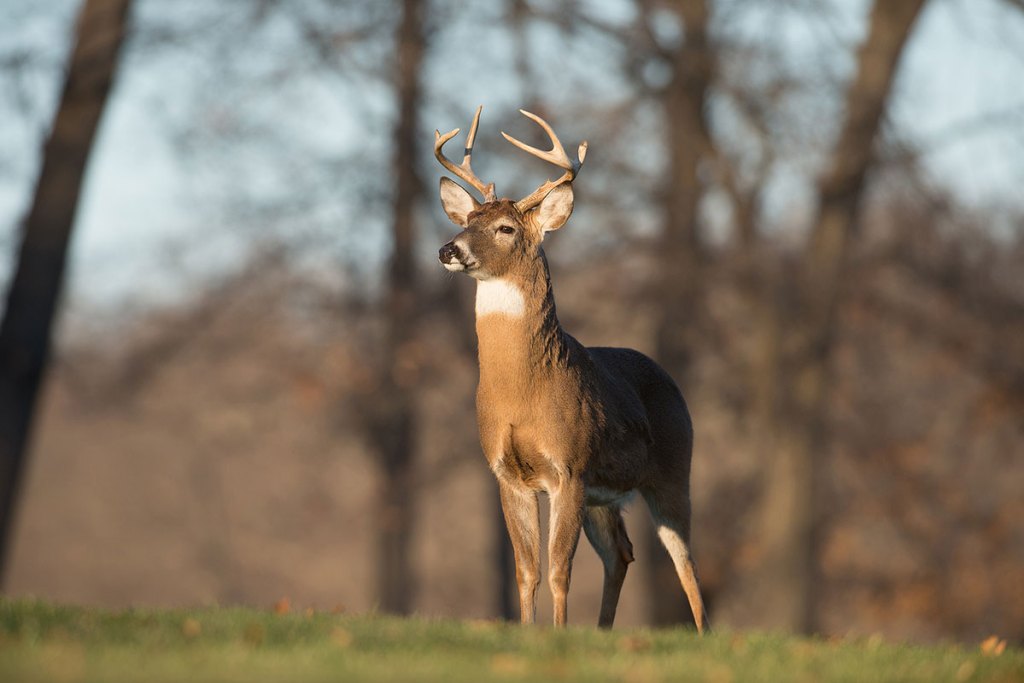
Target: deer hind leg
{"x":522,"y":518}
{"x":607,"y":533}
{"x":672,"y":519}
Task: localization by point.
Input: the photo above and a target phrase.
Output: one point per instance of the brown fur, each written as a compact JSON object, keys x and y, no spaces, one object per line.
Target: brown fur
{"x":588,"y":426}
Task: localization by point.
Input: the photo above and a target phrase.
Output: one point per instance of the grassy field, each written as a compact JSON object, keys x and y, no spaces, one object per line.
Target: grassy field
{"x":44,"y":642}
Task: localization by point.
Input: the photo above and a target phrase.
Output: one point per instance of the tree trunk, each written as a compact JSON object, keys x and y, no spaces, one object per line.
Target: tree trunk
{"x":394,"y":428}
{"x":799,"y":350}
{"x":26,"y":331}
{"x":679,"y":293}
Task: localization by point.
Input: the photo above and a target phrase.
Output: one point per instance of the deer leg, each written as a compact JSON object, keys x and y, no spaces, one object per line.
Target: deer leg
{"x":522,"y":518}
{"x":607,"y":533}
{"x":672,"y":519}
{"x":563,"y":536}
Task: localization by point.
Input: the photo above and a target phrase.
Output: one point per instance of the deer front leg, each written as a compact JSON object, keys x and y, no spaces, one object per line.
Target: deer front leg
{"x":563,"y":536}
{"x":522,"y":518}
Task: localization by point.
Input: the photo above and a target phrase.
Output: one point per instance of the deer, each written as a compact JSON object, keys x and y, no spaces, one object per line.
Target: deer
{"x":590,"y":427}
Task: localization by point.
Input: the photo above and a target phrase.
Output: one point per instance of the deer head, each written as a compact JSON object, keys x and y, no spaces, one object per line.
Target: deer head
{"x":499,"y":234}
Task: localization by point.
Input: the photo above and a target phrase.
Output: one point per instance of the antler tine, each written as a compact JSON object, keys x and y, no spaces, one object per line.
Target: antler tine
{"x":471,"y":138}
{"x":556,"y":155}
{"x":465,"y":169}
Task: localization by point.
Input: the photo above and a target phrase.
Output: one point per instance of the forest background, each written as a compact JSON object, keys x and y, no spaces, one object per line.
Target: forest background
{"x":259,"y":384}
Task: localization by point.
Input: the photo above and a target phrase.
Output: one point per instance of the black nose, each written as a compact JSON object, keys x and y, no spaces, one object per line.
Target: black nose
{"x":447,"y":253}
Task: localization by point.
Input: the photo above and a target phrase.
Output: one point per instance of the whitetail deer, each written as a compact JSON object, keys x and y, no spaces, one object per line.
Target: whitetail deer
{"x":590,"y":426}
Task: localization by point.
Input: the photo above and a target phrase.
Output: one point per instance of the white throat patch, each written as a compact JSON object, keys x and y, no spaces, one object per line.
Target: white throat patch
{"x":499,"y":297}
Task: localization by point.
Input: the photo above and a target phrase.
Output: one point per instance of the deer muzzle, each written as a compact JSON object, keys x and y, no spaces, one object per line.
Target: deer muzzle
{"x":450,"y":257}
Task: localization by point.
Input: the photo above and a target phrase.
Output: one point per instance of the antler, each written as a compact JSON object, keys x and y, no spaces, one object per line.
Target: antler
{"x":556,"y":155}
{"x":464,"y":170}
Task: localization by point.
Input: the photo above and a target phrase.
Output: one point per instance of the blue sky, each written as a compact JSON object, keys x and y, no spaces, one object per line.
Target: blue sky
{"x":965,"y":63}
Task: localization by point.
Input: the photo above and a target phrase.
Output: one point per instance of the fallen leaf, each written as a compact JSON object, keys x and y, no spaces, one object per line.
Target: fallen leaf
{"x":191,"y":628}
{"x":993,"y":646}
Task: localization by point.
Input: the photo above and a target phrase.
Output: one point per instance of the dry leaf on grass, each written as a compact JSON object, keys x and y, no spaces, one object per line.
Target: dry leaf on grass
{"x":993,"y":646}
{"x":191,"y":628}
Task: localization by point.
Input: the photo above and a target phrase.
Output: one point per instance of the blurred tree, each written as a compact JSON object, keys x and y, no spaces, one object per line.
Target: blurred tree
{"x":392,"y":424}
{"x":26,"y":331}
{"x":795,"y":360}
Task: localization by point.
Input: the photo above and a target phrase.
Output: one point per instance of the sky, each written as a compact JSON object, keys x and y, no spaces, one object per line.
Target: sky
{"x":139,"y":211}
{"x":966,"y":64}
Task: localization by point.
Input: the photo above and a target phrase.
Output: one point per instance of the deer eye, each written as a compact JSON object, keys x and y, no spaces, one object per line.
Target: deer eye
{"x":507,"y":230}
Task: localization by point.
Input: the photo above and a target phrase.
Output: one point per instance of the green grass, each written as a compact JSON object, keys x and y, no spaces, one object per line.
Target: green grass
{"x":44,"y":642}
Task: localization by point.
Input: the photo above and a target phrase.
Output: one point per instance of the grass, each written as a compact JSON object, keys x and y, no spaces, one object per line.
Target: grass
{"x":40,"y":641}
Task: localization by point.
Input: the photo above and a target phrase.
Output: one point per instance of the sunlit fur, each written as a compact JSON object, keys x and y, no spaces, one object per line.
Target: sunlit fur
{"x":492,"y":252}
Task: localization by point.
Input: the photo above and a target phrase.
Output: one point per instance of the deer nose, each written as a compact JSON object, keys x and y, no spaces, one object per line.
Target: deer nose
{"x":448,"y":253}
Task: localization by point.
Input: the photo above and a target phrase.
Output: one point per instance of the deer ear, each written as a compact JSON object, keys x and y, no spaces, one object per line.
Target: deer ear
{"x":554,"y":209}
{"x":457,"y":203}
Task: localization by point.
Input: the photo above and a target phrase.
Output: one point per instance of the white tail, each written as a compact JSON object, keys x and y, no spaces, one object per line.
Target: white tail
{"x":590,"y":426}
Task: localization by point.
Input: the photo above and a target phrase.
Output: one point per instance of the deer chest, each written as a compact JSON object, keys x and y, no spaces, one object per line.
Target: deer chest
{"x":526,"y":460}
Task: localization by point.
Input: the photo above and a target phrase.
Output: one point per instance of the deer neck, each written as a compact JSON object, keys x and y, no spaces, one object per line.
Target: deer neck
{"x":517,"y":329}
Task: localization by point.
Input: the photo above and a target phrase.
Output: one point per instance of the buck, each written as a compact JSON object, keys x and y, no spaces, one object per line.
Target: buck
{"x":588,"y":426}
